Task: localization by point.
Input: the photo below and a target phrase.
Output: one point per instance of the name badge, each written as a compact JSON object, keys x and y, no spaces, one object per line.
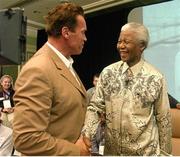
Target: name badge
{"x":7,"y":103}
{"x":101,"y":150}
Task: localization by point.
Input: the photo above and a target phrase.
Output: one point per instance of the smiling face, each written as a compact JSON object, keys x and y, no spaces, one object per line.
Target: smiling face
{"x":129,"y":47}
{"x":6,"y":83}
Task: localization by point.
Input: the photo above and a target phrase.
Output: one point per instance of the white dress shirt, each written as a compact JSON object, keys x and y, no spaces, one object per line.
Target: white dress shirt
{"x":67,"y":61}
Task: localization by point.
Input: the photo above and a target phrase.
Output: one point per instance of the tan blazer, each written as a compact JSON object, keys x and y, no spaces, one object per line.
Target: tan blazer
{"x":50,"y":107}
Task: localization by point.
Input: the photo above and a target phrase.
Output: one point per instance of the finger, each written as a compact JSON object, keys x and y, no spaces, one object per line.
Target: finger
{"x":87,"y":141}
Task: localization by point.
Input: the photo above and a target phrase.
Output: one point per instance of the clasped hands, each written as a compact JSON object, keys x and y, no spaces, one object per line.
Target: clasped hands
{"x":85,"y":145}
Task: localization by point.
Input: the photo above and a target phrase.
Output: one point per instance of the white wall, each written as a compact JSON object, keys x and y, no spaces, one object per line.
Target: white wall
{"x":163,"y":22}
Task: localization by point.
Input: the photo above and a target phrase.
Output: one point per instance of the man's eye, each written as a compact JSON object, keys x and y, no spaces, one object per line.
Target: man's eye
{"x":124,"y":42}
{"x":127,"y":41}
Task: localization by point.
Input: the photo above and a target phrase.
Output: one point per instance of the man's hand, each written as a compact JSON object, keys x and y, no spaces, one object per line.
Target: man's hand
{"x":84,"y":146}
{"x":87,"y":141}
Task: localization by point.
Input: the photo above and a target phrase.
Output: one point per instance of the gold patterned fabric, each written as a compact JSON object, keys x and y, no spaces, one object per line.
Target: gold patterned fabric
{"x":136,"y":104}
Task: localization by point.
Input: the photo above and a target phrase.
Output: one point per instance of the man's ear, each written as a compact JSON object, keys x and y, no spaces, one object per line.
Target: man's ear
{"x":65,"y":32}
{"x":142,"y":46}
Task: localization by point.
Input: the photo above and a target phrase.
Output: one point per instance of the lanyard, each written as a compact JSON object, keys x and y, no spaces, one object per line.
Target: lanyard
{"x":6,"y":95}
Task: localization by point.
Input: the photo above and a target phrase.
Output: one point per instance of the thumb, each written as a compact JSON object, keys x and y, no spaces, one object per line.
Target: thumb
{"x":87,"y":141}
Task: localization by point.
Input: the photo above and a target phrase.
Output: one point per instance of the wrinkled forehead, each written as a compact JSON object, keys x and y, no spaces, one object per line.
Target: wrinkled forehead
{"x":81,"y":23}
{"x":127,"y":34}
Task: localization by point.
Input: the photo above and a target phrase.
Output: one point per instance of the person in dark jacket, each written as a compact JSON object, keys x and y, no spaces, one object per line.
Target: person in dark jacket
{"x":6,"y":100}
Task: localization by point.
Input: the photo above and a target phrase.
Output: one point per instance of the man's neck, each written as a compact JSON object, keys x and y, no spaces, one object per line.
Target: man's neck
{"x":60,"y":45}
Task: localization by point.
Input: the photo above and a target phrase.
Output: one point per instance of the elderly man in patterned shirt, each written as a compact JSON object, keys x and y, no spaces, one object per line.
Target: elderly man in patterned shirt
{"x":134,"y":97}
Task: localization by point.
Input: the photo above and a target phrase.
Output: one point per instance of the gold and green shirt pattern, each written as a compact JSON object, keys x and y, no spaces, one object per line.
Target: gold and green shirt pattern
{"x":137,"y":111}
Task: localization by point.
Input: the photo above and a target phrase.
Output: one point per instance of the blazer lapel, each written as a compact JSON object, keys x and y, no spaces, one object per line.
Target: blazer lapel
{"x":81,"y":84}
{"x":65,"y":72}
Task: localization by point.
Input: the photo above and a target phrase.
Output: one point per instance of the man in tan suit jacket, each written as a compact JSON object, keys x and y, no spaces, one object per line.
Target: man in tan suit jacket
{"x":50,"y":99}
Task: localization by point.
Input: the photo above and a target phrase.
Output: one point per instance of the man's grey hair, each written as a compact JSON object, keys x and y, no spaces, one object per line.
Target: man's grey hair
{"x":140,"y":30}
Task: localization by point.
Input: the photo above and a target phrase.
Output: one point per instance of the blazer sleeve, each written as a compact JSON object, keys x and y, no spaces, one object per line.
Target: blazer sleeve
{"x":33,"y":100}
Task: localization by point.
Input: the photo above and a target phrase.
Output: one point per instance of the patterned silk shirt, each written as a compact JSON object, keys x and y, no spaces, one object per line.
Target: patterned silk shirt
{"x":137,"y":110}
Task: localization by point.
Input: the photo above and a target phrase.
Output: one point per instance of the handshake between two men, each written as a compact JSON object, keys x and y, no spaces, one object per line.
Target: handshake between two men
{"x":85,"y":145}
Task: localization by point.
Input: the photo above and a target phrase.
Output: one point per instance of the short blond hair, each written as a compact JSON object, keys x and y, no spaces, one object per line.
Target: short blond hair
{"x":6,"y":76}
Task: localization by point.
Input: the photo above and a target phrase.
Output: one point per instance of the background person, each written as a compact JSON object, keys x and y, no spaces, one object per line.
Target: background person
{"x":133,"y":95}
{"x":90,"y":91}
{"x":50,"y":99}
{"x":6,"y":100}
